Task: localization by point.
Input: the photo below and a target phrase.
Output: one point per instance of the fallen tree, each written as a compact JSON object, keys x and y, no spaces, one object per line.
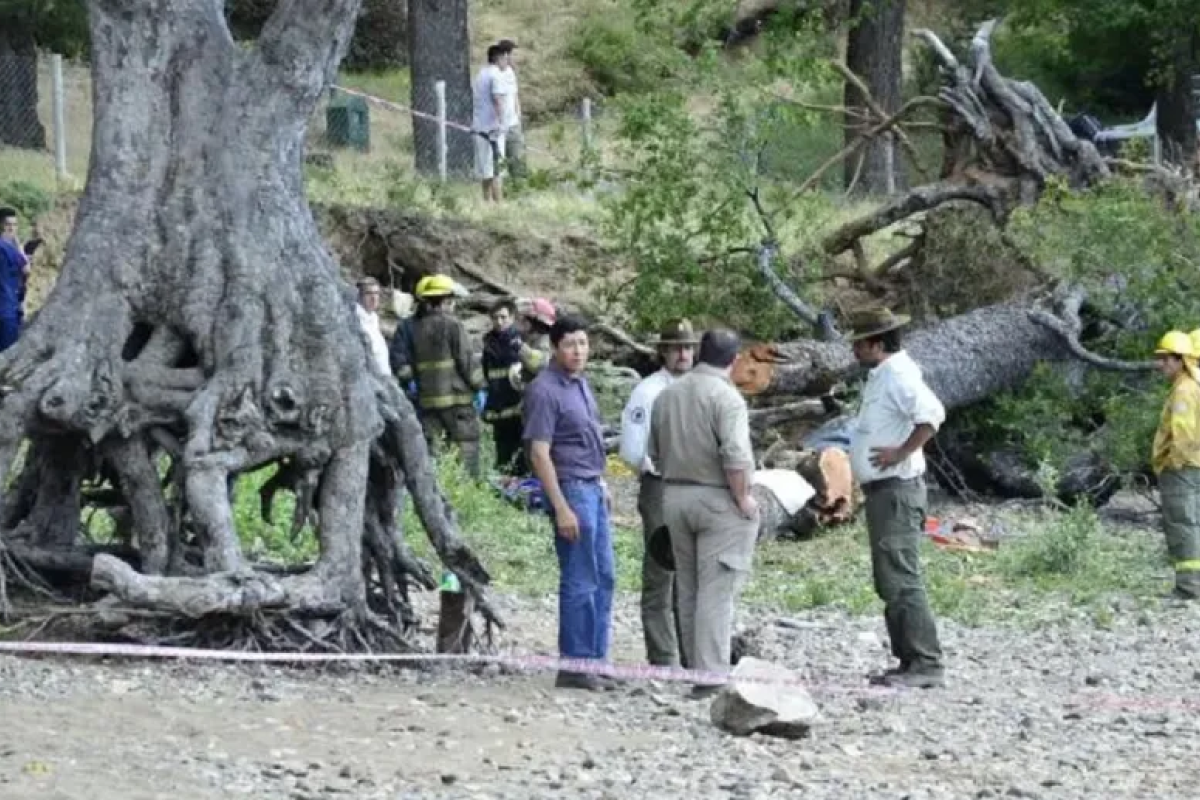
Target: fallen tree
{"x":200,"y":328}
{"x":1004,"y":144}
{"x":965,"y":359}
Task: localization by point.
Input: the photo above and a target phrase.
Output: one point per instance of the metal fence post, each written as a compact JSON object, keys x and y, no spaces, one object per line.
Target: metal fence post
{"x":585,"y":117}
{"x":889,"y":154}
{"x":60,"y":128}
{"x":439,"y":88}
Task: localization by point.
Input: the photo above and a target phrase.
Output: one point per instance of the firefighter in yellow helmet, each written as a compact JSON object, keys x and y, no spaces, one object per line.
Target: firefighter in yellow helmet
{"x":1176,"y":460}
{"x":446,"y":371}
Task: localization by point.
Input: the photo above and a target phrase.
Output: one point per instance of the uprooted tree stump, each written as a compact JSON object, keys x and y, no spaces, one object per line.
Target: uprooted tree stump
{"x":199,"y":321}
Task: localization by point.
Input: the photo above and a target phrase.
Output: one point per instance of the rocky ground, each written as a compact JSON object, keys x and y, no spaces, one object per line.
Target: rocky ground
{"x":1054,"y":713}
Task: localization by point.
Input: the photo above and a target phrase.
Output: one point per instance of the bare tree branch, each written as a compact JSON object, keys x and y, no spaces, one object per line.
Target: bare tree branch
{"x":880,"y":113}
{"x":852,"y":148}
{"x":923,"y":198}
{"x":1068,"y":325}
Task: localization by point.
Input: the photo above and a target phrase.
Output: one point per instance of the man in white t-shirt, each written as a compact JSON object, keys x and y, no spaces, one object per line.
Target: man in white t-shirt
{"x":487,"y":124}
{"x":510,"y":121}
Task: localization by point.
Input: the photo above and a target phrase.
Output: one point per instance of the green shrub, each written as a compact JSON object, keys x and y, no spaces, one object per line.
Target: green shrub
{"x":30,"y":201}
{"x":1137,"y":261}
{"x":619,"y":55}
{"x":1064,"y":548}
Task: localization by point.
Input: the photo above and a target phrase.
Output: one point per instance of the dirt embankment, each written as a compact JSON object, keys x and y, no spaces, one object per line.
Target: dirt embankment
{"x":399,"y":247}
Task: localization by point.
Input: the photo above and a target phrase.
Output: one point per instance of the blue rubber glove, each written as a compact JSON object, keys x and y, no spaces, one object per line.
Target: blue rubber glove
{"x":480,"y":400}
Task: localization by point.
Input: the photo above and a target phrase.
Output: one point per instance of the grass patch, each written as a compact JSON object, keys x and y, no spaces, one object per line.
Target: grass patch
{"x":516,"y":547}
{"x":1055,"y":565}
{"x":1051,"y":568}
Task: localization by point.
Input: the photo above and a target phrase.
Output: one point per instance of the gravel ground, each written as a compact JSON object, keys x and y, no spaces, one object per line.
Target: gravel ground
{"x":1061,"y":712}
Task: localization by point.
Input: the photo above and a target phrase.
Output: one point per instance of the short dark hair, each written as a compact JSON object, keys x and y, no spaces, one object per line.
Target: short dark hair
{"x":564,"y":326}
{"x":891,"y":340}
{"x":503,"y":304}
{"x":719,"y":347}
{"x":494,"y":52}
{"x":7,"y":212}
{"x":506,"y":45}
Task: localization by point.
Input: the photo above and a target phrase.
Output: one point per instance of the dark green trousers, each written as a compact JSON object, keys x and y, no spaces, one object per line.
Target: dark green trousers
{"x":1180,"y":491}
{"x":660,"y":604}
{"x":895,"y":512}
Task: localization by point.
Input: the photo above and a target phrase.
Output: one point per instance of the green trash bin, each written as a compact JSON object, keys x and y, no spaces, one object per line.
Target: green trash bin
{"x":348,"y":122}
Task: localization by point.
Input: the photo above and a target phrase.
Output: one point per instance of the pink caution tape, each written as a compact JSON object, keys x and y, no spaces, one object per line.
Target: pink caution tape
{"x":643,"y":672}
{"x":635,"y":672}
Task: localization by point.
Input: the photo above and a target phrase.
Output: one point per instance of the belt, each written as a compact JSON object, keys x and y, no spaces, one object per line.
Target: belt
{"x":680,"y":482}
{"x":884,"y":483}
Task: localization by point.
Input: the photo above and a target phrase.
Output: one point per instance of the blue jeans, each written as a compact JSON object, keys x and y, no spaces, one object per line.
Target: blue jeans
{"x":586,"y":575}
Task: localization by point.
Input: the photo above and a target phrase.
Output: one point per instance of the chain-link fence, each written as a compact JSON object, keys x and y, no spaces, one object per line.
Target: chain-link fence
{"x":428,"y":133}
{"x":363,"y":127}
{"x":45,"y":118}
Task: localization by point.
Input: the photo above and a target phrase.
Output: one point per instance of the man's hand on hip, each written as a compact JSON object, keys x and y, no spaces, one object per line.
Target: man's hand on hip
{"x":886,"y":457}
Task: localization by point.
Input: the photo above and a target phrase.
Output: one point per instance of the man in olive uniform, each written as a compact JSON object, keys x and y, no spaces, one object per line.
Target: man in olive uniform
{"x":447,"y":373}
{"x":676,"y":348}
{"x":899,"y":413}
{"x":1176,"y":461}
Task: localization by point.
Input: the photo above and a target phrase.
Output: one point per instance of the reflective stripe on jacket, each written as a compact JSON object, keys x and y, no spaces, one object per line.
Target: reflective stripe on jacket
{"x":446,"y":370}
{"x":1177,"y":442}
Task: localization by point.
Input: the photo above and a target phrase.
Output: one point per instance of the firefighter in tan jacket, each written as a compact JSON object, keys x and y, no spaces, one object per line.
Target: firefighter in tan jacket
{"x":1176,"y":460}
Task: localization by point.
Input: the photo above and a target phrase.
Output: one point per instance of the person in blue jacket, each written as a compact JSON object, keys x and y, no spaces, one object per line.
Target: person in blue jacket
{"x":14,"y":266}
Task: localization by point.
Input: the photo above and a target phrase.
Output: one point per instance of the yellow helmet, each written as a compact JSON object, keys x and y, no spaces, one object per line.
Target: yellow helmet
{"x":1175,"y":343}
{"x":1195,"y":337}
{"x":435,"y":286}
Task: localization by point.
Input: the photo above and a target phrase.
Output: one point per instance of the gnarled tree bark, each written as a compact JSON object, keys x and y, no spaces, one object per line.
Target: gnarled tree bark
{"x":200,"y":317}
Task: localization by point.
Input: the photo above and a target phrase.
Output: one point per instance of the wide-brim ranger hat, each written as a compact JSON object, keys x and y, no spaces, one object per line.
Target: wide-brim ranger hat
{"x":875,"y":322}
{"x":676,"y":332}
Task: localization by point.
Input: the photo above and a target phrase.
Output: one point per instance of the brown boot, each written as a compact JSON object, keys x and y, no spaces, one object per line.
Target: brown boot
{"x":576,"y":680}
{"x":917,"y":677}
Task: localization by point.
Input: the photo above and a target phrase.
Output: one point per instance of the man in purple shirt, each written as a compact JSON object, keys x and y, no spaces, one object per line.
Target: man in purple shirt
{"x":566,"y":450}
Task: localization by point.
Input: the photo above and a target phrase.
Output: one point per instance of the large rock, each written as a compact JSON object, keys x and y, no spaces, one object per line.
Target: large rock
{"x":748,"y":703}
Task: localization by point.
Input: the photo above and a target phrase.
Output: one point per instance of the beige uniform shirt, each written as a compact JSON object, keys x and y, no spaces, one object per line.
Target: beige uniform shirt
{"x":699,"y":428}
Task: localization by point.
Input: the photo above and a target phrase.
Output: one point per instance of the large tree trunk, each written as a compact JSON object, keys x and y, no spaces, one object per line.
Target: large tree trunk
{"x":874,"y":52}
{"x":964,"y":359}
{"x":20,"y":125}
{"x":199,"y":316}
{"x":440,"y":50}
{"x":380,"y":39}
{"x":1175,"y":111}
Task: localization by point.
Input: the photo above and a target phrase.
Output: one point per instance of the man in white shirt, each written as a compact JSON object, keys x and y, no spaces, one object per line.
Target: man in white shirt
{"x":510,"y":117}
{"x":486,"y":126}
{"x":368,"y":318}
{"x":899,"y":413}
{"x":676,"y":347}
